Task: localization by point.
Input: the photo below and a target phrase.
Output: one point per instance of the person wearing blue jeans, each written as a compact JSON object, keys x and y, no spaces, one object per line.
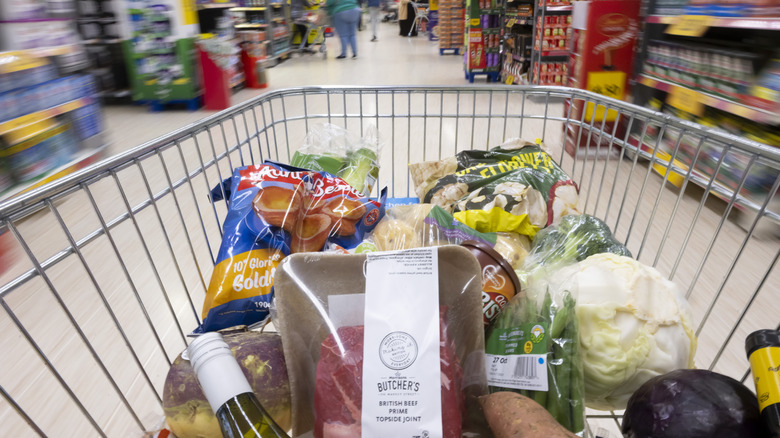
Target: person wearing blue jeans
{"x":345,"y":15}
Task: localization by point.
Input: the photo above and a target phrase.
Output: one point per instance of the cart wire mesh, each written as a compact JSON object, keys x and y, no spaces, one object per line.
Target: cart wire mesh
{"x":109,"y":266}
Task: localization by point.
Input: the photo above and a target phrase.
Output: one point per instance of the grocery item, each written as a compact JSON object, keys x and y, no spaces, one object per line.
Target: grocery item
{"x":692,"y":404}
{"x":328,"y":296}
{"x":512,"y":415}
{"x":517,"y":176}
{"x":535,"y":350}
{"x":763,"y":351}
{"x":574,"y":239}
{"x":634,"y":324}
{"x":274,"y":212}
{"x":261,"y":359}
{"x":337,"y":151}
{"x":238,"y":411}
{"x":338,"y":397}
{"x":421,"y":225}
{"x":499,"y":281}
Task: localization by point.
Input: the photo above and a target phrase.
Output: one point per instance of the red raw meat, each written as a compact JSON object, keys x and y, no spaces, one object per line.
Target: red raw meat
{"x":338,"y":390}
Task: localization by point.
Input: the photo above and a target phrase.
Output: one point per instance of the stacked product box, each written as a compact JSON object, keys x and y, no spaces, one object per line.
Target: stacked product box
{"x":556,"y":34}
{"x":552,"y":73}
{"x":450,"y":27}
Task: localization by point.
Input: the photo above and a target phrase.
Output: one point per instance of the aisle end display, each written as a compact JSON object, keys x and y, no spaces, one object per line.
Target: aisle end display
{"x":483,"y":39}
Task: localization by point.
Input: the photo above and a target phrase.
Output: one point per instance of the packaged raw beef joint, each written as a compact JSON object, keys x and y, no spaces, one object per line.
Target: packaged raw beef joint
{"x":383,"y":344}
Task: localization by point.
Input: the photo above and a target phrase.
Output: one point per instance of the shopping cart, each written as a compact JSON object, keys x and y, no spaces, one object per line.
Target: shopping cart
{"x":111,"y":263}
{"x":309,"y":27}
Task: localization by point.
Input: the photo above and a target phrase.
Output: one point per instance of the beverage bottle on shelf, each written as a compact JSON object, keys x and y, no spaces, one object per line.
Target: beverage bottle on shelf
{"x":239,"y":413}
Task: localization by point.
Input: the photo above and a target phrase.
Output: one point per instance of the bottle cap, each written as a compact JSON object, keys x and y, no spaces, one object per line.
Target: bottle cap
{"x":218,"y":372}
{"x":761,"y":339}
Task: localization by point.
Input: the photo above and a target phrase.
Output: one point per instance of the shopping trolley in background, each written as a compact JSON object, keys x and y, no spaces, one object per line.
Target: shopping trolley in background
{"x":309,"y":23}
{"x":113,"y":262}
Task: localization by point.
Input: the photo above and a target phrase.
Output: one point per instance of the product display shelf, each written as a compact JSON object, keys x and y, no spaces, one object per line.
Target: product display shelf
{"x":551,"y":42}
{"x":22,"y":121}
{"x":484,"y":25}
{"x":271,"y":18}
{"x":675,"y":171}
{"x":736,"y":108}
{"x":176,"y":84}
{"x":760,"y":23}
{"x":203,"y":6}
{"x":450,"y":27}
{"x":517,"y":43}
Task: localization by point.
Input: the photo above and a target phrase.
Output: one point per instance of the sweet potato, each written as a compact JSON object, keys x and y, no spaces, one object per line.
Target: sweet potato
{"x":512,"y":415}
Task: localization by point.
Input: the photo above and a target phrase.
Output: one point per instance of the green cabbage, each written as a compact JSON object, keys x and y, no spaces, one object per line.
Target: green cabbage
{"x":634,"y":324}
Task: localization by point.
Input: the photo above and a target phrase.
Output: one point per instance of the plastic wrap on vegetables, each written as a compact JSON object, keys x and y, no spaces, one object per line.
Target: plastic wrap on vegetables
{"x":333,"y":149}
{"x":533,"y":349}
{"x":517,"y":178}
{"x":575,"y":238}
{"x":273,"y":212}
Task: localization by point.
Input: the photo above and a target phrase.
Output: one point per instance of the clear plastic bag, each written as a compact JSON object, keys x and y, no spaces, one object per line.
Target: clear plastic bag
{"x":326,"y":314}
{"x":533,"y":348}
{"x":335,"y":150}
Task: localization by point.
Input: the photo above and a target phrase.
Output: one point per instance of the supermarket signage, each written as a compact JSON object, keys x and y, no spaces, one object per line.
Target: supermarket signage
{"x":607,"y":83}
{"x":690,"y":25}
{"x":685,"y":99}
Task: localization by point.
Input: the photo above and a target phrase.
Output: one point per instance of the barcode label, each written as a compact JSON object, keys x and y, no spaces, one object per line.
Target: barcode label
{"x":519,"y":371}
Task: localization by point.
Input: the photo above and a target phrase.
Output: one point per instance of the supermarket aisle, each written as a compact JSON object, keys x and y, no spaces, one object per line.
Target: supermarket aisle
{"x":393,"y":60}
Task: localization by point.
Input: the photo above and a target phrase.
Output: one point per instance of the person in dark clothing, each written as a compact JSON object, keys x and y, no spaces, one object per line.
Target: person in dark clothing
{"x":406,"y":18}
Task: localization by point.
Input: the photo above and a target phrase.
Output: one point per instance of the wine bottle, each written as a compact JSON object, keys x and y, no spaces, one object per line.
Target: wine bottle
{"x":238,"y":411}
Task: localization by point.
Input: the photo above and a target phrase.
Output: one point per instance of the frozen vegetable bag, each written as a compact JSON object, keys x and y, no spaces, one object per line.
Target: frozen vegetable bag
{"x":383,"y":344}
{"x":273,"y":212}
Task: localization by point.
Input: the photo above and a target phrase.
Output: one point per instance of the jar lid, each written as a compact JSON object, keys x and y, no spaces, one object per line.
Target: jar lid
{"x":761,"y":339}
{"x":491,"y":255}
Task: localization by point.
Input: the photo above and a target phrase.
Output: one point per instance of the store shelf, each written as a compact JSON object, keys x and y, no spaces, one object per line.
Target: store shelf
{"x":243,"y":9}
{"x":216,"y":6}
{"x":768,"y":23}
{"x":278,"y":20}
{"x":277,"y":5}
{"x":511,"y":21}
{"x":563,"y":8}
{"x":746,"y":111}
{"x":56,"y":50}
{"x":79,"y":162}
{"x":250,"y":25}
{"x":554,"y":53}
{"x":19,"y":122}
{"x":35,"y":20}
{"x":676,"y":170}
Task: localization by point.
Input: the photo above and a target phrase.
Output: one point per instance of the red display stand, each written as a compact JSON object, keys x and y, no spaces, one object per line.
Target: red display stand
{"x":602,"y":58}
{"x":250,"y":71}
{"x":216,"y":84}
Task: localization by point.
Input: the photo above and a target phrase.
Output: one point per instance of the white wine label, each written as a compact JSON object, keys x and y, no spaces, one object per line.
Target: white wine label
{"x":401,"y":357}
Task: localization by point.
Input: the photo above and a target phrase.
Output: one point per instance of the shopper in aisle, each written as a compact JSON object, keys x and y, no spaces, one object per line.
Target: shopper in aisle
{"x":374,"y":7}
{"x":406,"y":18}
{"x":345,"y":15}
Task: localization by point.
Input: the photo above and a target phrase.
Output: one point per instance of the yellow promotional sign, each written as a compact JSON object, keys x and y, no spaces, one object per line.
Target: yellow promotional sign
{"x":475,"y":22}
{"x":686,"y":100}
{"x":188,"y":11}
{"x":610,"y":84}
{"x":690,"y":25}
{"x":510,"y":79}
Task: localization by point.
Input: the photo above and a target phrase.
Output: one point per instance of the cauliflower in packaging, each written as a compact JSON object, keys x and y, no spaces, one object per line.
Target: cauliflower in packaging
{"x":517,"y":177}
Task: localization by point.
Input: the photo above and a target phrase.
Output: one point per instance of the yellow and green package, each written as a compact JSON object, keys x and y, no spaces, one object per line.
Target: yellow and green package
{"x":518,"y":176}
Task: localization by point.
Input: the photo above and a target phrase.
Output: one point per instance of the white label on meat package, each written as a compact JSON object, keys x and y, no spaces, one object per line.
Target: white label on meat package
{"x":401,"y":358}
{"x":517,"y":371}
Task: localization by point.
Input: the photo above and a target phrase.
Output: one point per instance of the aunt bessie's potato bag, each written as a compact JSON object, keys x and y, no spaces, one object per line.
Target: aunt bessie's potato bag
{"x":272,"y":213}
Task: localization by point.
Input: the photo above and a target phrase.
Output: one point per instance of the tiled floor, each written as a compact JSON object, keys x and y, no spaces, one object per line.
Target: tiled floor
{"x":147,"y":233}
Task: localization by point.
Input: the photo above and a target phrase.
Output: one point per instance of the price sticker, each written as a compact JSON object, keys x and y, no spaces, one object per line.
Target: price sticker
{"x":608,"y":83}
{"x":511,"y":22}
{"x":690,"y":25}
{"x":509,"y":80}
{"x":686,"y":100}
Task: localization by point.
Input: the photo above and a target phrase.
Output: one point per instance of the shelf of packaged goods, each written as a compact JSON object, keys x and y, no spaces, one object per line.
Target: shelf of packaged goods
{"x":491,"y":11}
{"x":723,"y":104}
{"x":278,"y":20}
{"x":554,"y":53}
{"x":511,"y":21}
{"x":761,"y":23}
{"x":519,"y":15}
{"x":492,"y":31}
{"x":558,"y":8}
{"x":55,"y":51}
{"x":80,"y":161}
{"x":277,"y":5}
{"x":27,"y":119}
{"x":243,"y":9}
{"x":663,"y":164}
{"x":216,"y":6}
{"x":35,"y":20}
{"x":251,"y":25}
